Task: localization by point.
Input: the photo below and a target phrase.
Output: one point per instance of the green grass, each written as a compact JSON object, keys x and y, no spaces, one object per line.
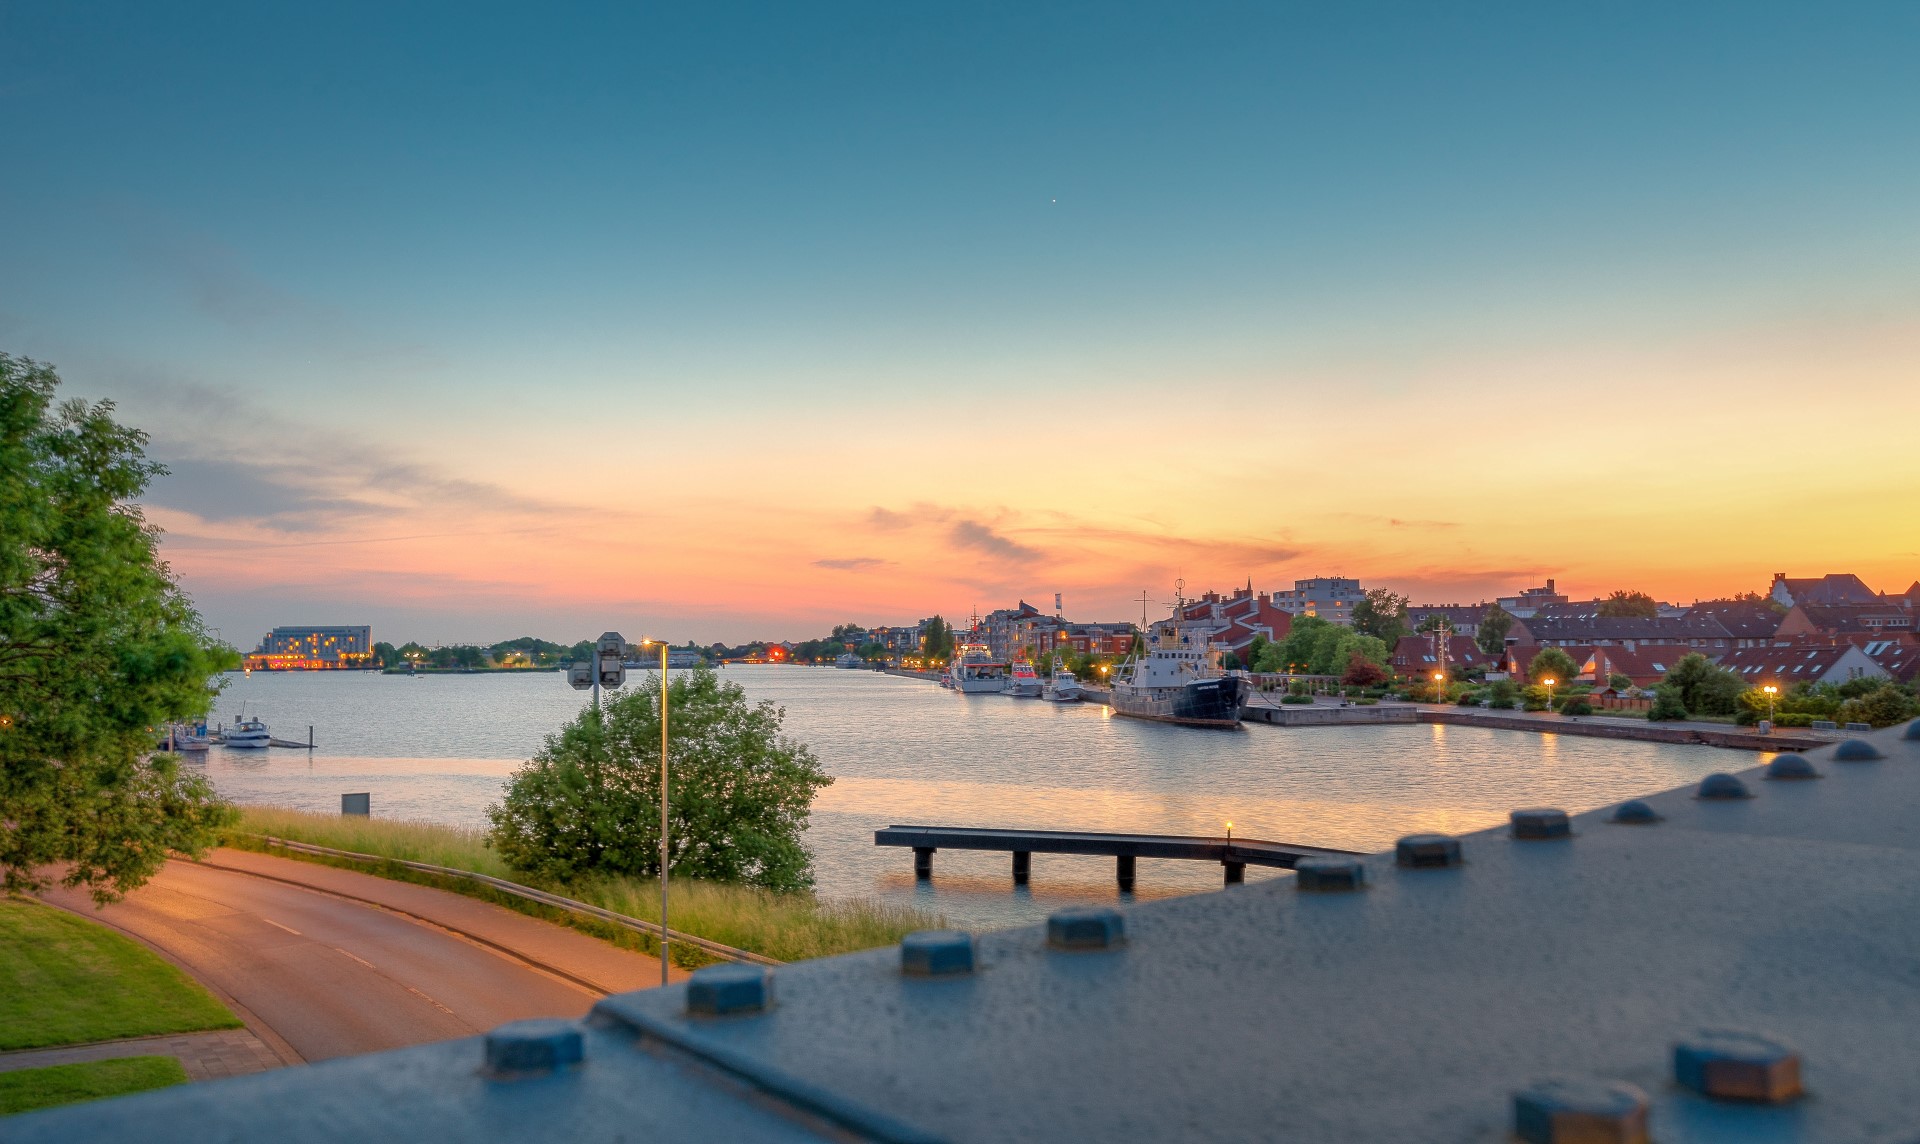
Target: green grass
{"x":789,"y":927}
{"x":25,"y":1089}
{"x":65,"y":980}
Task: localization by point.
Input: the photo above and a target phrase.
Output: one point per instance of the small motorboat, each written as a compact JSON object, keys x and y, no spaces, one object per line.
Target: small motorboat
{"x":1064,"y":687}
{"x":246,"y":732}
{"x":1024,"y":684}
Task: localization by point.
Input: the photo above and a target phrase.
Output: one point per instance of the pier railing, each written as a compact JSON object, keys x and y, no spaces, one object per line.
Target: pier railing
{"x":528,"y":893}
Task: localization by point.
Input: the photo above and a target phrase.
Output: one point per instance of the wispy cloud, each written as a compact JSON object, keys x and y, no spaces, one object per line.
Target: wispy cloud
{"x":971,"y":534}
{"x":850,"y":563}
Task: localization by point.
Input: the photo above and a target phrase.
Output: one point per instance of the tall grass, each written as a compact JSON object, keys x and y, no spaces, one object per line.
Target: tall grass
{"x":789,"y":927}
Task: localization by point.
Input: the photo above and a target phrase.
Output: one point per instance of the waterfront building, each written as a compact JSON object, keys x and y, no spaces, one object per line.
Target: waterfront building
{"x":1330,"y":598}
{"x":1786,"y":666}
{"x":1230,"y":623}
{"x":1114,"y":638}
{"x":1584,"y":626}
{"x":313,"y":648}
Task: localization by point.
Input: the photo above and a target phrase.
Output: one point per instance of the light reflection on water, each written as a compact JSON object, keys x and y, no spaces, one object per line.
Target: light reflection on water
{"x":905,"y":751}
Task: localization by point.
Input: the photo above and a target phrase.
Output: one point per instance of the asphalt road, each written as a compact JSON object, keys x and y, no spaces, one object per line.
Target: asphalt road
{"x":330,"y":975}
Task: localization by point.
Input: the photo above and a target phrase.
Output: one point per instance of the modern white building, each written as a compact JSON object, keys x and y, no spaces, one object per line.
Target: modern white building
{"x":1328,"y":597}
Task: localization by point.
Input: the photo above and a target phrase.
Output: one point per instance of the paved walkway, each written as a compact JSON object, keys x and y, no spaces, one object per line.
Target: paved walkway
{"x":335,"y":962}
{"x":205,"y":1056}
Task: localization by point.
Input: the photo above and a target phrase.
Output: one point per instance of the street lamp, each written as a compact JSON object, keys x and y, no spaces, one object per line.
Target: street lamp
{"x":1549,"y":684}
{"x":1771,"y":691}
{"x":1439,"y":696}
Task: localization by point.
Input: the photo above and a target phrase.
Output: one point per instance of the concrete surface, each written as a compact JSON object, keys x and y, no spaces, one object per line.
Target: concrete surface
{"x":205,"y":1056}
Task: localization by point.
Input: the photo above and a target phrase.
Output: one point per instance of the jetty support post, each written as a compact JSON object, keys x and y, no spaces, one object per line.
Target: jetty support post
{"x":1236,"y":871}
{"x":1123,"y":872}
{"x":923,"y":863}
{"x":1022,"y":867}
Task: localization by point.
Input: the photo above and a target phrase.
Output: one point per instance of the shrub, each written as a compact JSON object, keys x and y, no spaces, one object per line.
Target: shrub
{"x":1705,"y":689}
{"x":588,"y":802}
{"x":1883,"y":707}
{"x":1533,"y":698}
{"x":1792,"y":719}
{"x":1667,"y":704}
{"x":1299,"y":687}
{"x":1576,"y":705}
{"x":1365,"y":702}
{"x":1468,"y":699}
{"x":1296,"y":698}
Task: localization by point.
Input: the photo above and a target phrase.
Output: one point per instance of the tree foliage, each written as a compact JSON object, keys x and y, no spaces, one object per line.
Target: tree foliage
{"x":1382,"y":615}
{"x":1320,"y":647}
{"x":1552,"y":663}
{"x":937,"y":643}
{"x":1667,"y":704}
{"x":1629,"y":603}
{"x":1704,"y":687}
{"x":1494,"y":625}
{"x":98,"y":649}
{"x":739,"y":790}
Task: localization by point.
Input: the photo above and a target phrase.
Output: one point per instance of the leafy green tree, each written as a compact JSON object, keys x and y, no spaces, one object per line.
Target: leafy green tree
{"x":1626,"y":603}
{"x":1667,"y":703}
{"x":1432,"y":621}
{"x":1705,"y":688}
{"x":1495,"y":622}
{"x":1502,"y":694}
{"x":872,"y":652}
{"x":1382,"y":615}
{"x":1619,"y":682}
{"x":1259,"y":645}
{"x":588,"y":802}
{"x":386,"y":655}
{"x":1552,"y":663}
{"x":937,"y":642}
{"x":98,"y":650}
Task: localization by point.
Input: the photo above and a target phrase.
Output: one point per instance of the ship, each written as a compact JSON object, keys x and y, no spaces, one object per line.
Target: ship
{"x":1178,"y":679}
{"x":974,"y":671}
{"x":1026,"y":682}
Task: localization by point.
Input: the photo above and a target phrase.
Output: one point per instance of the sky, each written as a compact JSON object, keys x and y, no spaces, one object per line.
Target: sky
{"x":723,"y":322}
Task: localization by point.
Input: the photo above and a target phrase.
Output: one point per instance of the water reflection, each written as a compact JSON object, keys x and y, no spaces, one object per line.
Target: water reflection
{"x":905,"y":751}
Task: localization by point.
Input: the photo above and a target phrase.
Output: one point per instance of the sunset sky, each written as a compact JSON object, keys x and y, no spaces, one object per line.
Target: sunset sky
{"x":728,"y":322}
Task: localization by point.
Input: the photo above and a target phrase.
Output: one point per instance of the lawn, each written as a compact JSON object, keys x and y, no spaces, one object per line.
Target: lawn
{"x":26,"y":1089}
{"x":65,"y":980}
{"x":789,"y":927}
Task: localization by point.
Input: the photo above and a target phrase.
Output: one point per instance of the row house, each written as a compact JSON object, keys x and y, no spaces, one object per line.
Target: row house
{"x":1898,"y":657}
{"x":1584,"y":626}
{"x":1101,"y":638}
{"x":1833,"y":588}
{"x":1785,"y":666}
{"x":1232,"y":622}
{"x":1813,"y":621}
{"x":1749,"y":623}
{"x":1418,"y":656}
{"x":1644,"y":665}
{"x":1461,"y":617}
{"x":901,"y":639}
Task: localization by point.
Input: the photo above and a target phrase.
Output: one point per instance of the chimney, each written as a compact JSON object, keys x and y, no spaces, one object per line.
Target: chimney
{"x":1549,"y":585}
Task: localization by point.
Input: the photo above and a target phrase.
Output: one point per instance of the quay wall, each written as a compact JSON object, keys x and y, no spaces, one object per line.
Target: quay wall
{"x":1305,"y":716}
{"x":1736,"y":737}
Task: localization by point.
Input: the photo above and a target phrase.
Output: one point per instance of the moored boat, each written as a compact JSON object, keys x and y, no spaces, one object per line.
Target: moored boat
{"x":1178,"y":679}
{"x":1064,"y":687}
{"x":246,"y":732}
{"x":975,"y":672}
{"x":1025,"y":684}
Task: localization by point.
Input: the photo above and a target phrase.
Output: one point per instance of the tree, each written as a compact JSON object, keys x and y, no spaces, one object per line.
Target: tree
{"x":386,"y":655}
{"x":937,"y":643}
{"x":1495,"y":622}
{"x":1626,"y":603}
{"x":1704,"y":688}
{"x":1362,"y":672}
{"x":872,"y":652}
{"x":588,"y":802}
{"x":1667,"y":703}
{"x":1432,"y":621}
{"x":98,"y":648}
{"x":1382,"y":615}
{"x":1552,"y":663}
{"x":1619,"y":682}
{"x":1884,"y":706}
{"x":1254,"y":649}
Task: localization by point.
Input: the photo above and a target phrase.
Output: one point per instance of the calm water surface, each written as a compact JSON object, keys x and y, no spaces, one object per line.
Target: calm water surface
{"x":906,"y":751}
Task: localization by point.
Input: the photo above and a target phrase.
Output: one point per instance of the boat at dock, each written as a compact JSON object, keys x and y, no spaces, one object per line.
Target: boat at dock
{"x":1025,"y":684}
{"x":849,"y":660}
{"x":246,"y":732}
{"x":1064,"y":687}
{"x":1178,"y":679}
{"x":975,"y":672}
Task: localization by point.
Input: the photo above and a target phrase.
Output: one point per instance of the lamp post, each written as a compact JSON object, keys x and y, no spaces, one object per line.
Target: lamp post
{"x":1771,"y":691}
{"x":1549,"y":684}
{"x":1439,"y":696}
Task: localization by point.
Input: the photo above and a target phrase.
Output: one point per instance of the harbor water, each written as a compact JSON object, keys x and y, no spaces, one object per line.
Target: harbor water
{"x":439,"y":747}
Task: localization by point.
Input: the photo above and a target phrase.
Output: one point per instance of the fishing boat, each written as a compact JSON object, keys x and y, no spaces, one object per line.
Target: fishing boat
{"x":1025,"y":684}
{"x":246,"y":732}
{"x":975,"y":672}
{"x":1178,"y":679}
{"x":1064,"y":687}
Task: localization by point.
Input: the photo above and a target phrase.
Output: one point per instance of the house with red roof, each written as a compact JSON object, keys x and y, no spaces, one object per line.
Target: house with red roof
{"x":1802,"y":663}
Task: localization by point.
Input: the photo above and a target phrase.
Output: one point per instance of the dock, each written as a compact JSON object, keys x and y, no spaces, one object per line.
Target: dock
{"x":1324,"y":715}
{"x":1233,"y":854}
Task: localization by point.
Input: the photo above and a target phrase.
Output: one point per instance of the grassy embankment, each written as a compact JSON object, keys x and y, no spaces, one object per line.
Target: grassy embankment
{"x":68,"y":981}
{"x":26,"y":1089}
{"x":789,"y":927}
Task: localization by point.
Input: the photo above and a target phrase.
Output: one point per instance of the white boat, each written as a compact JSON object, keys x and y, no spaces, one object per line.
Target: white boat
{"x":1024,"y":684}
{"x":849,"y":660}
{"x":1064,"y":687}
{"x":974,"y":671}
{"x":247,"y":732}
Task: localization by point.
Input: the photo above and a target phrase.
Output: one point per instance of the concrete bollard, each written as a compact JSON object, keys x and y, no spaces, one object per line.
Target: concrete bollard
{"x":357,"y":804}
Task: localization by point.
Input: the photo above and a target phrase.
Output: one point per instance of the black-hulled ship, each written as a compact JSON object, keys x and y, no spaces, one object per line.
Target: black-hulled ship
{"x":1178,"y":679}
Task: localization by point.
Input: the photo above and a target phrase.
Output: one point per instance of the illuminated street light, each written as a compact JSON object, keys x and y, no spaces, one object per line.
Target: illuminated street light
{"x":1549,"y":684}
{"x":1438,"y":695}
{"x":1771,"y":691}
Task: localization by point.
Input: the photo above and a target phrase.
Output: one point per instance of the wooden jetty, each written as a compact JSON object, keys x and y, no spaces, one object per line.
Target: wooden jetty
{"x":1233,"y":854}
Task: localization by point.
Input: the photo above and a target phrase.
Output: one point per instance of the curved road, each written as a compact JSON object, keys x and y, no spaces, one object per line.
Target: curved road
{"x":333,"y":976}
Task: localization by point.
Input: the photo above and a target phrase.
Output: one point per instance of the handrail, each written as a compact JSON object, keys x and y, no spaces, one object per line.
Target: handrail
{"x":639,"y":925}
